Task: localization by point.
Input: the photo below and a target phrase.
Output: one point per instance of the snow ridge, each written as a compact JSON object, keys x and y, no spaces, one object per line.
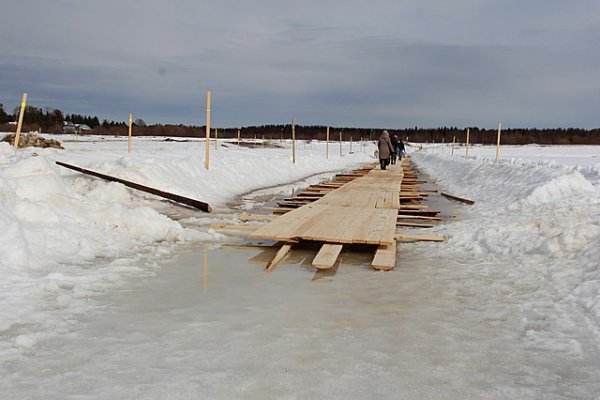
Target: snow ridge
{"x":539,"y":216}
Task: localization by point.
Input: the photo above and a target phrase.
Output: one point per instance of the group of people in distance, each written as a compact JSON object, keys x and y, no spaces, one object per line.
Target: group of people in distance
{"x":389,"y":148}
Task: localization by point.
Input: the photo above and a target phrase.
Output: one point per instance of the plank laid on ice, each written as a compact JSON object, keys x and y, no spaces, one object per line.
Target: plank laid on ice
{"x":363,"y":210}
{"x":404,"y":236}
{"x":248,"y":217}
{"x":453,"y":197}
{"x":235,"y":227}
{"x":327,"y":256}
{"x":414,"y":225}
{"x":279,"y":256}
{"x":171,"y":196}
{"x":385,"y":257}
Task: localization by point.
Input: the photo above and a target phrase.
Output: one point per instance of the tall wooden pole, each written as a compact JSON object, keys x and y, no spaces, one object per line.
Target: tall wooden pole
{"x":216,"y":140}
{"x":467,"y":147}
{"x":453,"y":141}
{"x":20,"y":123}
{"x":129,"y":136}
{"x":498,"y":143}
{"x":350,"y":144}
{"x":238,"y":138}
{"x":207,"y":144}
{"x":327,"y":145}
{"x":293,"y":141}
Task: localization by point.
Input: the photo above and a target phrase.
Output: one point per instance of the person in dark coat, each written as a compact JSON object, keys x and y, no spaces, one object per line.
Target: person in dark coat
{"x":394,"y":140}
{"x":385,"y":149}
{"x":400,"y":149}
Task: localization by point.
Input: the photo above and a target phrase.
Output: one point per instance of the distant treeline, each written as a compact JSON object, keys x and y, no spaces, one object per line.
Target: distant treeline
{"x":52,"y":121}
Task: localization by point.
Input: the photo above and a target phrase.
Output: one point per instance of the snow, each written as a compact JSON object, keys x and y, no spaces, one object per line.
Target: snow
{"x":507,"y":307}
{"x":67,"y":237}
{"x":538,"y":207}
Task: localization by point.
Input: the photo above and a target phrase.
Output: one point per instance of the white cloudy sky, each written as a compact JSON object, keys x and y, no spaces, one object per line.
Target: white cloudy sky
{"x":378,"y":63}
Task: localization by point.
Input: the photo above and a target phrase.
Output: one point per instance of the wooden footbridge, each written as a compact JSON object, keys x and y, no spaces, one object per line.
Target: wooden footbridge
{"x":362,"y":207}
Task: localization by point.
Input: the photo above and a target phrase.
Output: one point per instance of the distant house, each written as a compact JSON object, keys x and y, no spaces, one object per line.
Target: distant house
{"x":69,"y":127}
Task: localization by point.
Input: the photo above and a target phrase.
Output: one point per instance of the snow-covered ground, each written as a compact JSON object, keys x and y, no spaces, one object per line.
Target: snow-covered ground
{"x":66,"y":237}
{"x":538,"y":207}
{"x":507,"y":307}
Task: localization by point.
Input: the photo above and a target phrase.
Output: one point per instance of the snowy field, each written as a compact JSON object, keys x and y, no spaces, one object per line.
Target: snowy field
{"x":101,"y":296}
{"x":67,"y":237}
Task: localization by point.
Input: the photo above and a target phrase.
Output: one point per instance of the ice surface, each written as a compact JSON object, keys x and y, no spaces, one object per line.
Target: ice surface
{"x":507,"y":307}
{"x":56,"y":222}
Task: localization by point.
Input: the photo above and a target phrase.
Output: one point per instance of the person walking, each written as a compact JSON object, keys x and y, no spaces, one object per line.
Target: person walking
{"x":400,"y":149}
{"x":385,"y":149}
{"x":394,"y":140}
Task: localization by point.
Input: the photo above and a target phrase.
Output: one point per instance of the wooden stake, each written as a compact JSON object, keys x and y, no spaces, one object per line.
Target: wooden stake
{"x":207,"y":142}
{"x":453,"y":141}
{"x":129,"y":139}
{"x":216,"y":140}
{"x":327,"y":145}
{"x":467,"y":147}
{"x":350,"y":144}
{"x":340,"y":144}
{"x":498,"y":144}
{"x":20,"y":123}
{"x":293,"y":141}
{"x":238,"y":138}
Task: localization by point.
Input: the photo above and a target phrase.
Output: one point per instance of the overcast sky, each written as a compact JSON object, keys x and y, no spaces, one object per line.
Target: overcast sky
{"x":378,"y":63}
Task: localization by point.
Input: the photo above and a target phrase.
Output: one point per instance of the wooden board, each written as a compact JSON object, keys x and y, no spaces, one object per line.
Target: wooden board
{"x":327,"y":256}
{"x":279,"y":256}
{"x":364,"y":210}
{"x":385,"y":257}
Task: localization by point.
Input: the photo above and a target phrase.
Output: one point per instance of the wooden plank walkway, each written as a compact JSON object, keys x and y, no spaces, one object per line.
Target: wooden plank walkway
{"x":362,"y":211}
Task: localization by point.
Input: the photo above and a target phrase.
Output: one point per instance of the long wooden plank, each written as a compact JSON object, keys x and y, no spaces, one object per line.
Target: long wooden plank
{"x":171,"y":196}
{"x":461,"y":199}
{"x":249,"y":217}
{"x":279,"y":256}
{"x":414,"y":225}
{"x":327,"y":256}
{"x":385,"y":257}
{"x":236,"y":227}
{"x":404,"y":236}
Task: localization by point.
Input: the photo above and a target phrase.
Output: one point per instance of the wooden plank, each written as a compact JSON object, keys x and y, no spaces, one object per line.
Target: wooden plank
{"x":425,"y":218}
{"x":327,"y":256}
{"x":282,"y":253}
{"x":385,"y":257}
{"x":171,"y":196}
{"x":278,"y":208}
{"x":389,"y":228}
{"x":235,"y":227}
{"x":414,"y":225}
{"x":250,"y":217}
{"x":404,"y":236}
{"x":461,"y":199}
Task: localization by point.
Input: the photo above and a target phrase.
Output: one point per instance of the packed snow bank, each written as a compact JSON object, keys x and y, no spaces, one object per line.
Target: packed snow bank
{"x":541,"y":216}
{"x":66,"y":237}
